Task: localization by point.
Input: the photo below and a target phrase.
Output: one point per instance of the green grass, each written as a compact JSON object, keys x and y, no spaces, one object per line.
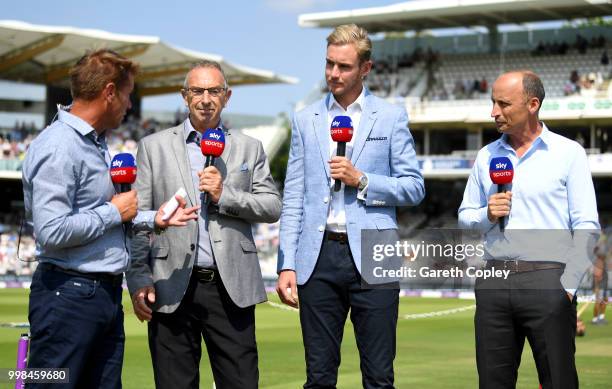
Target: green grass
{"x":433,"y":352}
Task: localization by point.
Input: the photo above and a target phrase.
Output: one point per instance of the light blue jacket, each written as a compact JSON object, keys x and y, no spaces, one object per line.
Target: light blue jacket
{"x":383,"y":149}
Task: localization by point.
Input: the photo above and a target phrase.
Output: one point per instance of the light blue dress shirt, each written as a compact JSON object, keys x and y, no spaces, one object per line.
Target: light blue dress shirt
{"x":204,"y":256}
{"x":67,"y":191}
{"x":552,"y":191}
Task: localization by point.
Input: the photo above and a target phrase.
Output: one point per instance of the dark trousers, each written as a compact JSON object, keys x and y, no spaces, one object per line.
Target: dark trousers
{"x":76,"y":323}
{"x":208,"y":312}
{"x":325,"y":300}
{"x":530,"y":305}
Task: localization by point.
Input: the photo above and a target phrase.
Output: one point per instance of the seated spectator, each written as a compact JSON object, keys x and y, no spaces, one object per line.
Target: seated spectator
{"x":484,"y":85}
{"x":569,"y":88}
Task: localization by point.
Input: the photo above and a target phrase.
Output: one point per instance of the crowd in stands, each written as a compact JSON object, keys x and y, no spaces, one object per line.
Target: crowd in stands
{"x":581,"y":45}
{"x":388,"y":72}
{"x":14,"y":142}
{"x":12,"y":264}
{"x":384,"y":79}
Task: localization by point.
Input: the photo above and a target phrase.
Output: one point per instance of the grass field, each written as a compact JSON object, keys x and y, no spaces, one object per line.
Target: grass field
{"x":436,"y":352}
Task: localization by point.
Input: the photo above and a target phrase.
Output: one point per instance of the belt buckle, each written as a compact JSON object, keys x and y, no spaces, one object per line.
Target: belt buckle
{"x":514,"y":262}
{"x":206,"y":275}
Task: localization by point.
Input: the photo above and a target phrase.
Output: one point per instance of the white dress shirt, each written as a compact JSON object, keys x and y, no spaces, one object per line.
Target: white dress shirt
{"x":336,"y":217}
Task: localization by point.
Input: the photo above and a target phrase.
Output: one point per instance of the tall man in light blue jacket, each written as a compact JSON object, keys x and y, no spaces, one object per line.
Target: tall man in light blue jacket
{"x":320,"y":236}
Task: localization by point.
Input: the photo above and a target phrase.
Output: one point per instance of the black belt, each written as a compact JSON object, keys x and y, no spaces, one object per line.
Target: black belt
{"x":524,"y":266}
{"x":336,"y":236}
{"x":113,"y":279}
{"x":205,"y":274}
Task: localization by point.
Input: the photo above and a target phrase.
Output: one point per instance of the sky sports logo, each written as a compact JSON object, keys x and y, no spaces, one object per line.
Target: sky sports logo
{"x":117,"y":163}
{"x":501,"y":170}
{"x":214,"y":135}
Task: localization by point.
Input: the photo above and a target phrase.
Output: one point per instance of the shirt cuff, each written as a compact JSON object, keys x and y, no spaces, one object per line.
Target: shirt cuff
{"x":144,"y":220}
{"x":571,"y":291}
{"x":113,"y":216}
{"x":484,"y":221}
{"x":362,"y":194}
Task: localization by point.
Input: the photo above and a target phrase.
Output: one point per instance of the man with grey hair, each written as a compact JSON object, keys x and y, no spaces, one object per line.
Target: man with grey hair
{"x":552,"y":192}
{"x":202,"y":281}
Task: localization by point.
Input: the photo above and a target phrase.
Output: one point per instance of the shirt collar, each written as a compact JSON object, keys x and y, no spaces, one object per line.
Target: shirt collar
{"x":357,"y":103}
{"x":544,"y":137}
{"x":188,"y":130}
{"x":80,"y":125}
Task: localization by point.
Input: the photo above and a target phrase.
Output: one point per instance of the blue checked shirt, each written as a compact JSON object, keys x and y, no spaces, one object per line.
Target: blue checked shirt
{"x":67,"y":191}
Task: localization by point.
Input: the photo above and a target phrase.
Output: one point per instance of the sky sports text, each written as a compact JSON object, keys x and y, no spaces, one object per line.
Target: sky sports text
{"x":213,"y":143}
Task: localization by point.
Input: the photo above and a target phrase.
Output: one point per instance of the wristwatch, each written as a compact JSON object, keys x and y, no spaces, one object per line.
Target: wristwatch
{"x":363,"y":182}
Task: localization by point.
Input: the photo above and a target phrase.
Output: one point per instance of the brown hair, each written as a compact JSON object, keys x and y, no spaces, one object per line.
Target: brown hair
{"x":352,"y":33}
{"x":95,"y":69}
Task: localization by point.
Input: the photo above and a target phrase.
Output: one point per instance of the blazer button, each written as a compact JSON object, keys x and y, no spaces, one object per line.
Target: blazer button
{"x":325,"y":200}
{"x":321,"y":228}
{"x":192,"y":247}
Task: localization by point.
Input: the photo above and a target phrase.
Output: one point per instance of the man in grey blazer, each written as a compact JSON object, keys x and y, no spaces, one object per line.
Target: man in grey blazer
{"x":202,"y":281}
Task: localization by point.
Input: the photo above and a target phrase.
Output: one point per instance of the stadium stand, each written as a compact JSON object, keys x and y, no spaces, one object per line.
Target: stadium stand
{"x":443,"y":78}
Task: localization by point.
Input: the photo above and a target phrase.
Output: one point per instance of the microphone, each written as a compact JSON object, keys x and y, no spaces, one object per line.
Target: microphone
{"x":212,"y":146}
{"x":341,"y":131}
{"x":501,"y":172}
{"x":123,"y":171}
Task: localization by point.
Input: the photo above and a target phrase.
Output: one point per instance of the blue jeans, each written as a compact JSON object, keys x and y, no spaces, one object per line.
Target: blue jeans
{"x":76,"y":323}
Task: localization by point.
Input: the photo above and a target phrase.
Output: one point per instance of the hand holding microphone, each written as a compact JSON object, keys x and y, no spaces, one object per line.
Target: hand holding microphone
{"x":341,"y":131}
{"x":123,"y":172}
{"x":501,"y":173}
{"x":211,"y":182}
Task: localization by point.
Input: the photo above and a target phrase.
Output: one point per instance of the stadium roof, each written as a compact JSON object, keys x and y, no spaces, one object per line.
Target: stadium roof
{"x":428,"y":14}
{"x":44,"y":54}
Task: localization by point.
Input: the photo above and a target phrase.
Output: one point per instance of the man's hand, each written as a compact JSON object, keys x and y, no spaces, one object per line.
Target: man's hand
{"x":211,"y":181}
{"x":342,"y":169}
{"x":179,"y":217}
{"x":286,"y":287}
{"x":141,"y":300}
{"x":499,"y":206}
{"x":127,"y":204}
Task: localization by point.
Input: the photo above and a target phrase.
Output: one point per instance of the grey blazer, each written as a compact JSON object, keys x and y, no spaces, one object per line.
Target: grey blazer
{"x":249,"y":195}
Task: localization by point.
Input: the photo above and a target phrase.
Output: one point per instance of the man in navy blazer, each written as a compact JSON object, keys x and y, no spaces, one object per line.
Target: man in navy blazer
{"x":320,"y":234}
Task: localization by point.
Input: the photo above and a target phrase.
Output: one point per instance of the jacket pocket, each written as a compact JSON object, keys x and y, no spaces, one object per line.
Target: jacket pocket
{"x":248,"y":246}
{"x":160,"y":252}
{"x":385,"y":224}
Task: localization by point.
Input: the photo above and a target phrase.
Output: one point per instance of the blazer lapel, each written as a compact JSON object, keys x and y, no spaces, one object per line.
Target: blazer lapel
{"x":321,"y":131}
{"x":225,"y":156}
{"x":368,"y":117}
{"x":180,"y":152}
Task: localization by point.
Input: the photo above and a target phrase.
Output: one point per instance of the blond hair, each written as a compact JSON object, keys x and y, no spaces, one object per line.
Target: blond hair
{"x":352,"y":34}
{"x":96,"y":69}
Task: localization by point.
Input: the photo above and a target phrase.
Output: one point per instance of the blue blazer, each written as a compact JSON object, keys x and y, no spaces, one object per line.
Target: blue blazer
{"x":383,"y":148}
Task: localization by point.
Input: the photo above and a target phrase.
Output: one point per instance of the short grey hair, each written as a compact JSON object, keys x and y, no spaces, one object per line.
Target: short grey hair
{"x":532,"y":86}
{"x":206,"y":63}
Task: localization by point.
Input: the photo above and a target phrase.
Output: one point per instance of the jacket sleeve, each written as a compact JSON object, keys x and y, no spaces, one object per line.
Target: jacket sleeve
{"x":293,"y":201}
